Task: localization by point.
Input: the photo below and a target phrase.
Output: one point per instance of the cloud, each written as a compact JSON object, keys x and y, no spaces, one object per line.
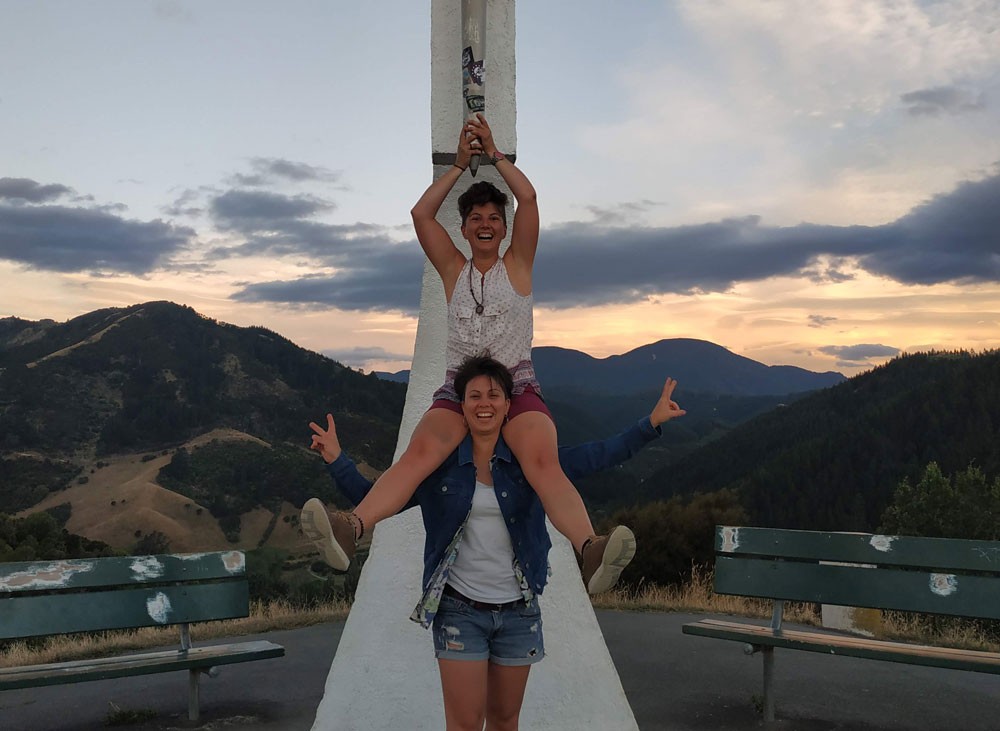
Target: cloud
{"x":254,"y":211}
{"x":361,"y":356}
{"x":942,"y":99}
{"x":28,"y":190}
{"x":387,"y":279}
{"x":852,"y":356}
{"x":66,"y":239}
{"x":620,"y":213}
{"x":270,"y":170}
{"x":821,"y":320}
{"x":952,"y":237}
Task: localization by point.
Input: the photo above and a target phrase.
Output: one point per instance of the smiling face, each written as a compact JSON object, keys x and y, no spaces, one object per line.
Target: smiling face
{"x":484,"y":406}
{"x":484,"y":228}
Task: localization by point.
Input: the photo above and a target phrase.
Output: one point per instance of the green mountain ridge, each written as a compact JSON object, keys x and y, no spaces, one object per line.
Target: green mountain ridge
{"x":831,"y":460}
{"x":151,"y":376}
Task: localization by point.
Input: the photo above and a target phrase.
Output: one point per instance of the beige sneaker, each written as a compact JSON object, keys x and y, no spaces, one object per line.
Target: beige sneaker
{"x":605,"y":557}
{"x":331,"y":533}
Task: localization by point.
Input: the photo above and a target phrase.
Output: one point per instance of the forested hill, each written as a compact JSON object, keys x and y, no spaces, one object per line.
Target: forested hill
{"x":156,"y":374}
{"x":832,"y":459}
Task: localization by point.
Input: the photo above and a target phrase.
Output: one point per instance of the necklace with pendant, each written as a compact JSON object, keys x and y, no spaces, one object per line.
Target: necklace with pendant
{"x":482,"y":291}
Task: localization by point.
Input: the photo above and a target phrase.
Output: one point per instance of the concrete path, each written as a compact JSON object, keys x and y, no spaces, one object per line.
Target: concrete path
{"x":673,"y":681}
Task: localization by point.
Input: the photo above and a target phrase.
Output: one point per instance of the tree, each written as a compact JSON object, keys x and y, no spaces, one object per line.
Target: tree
{"x":674,"y":534}
{"x":151,"y":544}
{"x":966,"y":505}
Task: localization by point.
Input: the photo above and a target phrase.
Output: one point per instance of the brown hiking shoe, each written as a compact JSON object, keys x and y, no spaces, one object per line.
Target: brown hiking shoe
{"x":605,"y":557}
{"x":331,"y":533}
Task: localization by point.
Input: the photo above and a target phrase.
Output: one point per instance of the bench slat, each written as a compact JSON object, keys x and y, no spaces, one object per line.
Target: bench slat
{"x":30,"y":676}
{"x":138,"y":570}
{"x":946,"y":554}
{"x":942,"y":657}
{"x":859,"y":586}
{"x":29,"y":616}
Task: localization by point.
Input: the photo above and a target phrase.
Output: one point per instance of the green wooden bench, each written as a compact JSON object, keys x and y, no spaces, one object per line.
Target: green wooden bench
{"x":929,"y":575}
{"x":82,"y":595}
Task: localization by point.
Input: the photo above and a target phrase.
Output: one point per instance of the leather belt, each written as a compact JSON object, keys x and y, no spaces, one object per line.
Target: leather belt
{"x":454,"y":593}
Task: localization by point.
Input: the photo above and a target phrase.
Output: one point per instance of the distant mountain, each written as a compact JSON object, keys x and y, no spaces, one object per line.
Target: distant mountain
{"x":698,"y":365}
{"x":397,"y":377}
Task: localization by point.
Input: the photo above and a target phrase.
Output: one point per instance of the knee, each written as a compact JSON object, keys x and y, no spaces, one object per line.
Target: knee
{"x":424,"y":451}
{"x":502,"y":720}
{"x":466,"y":724}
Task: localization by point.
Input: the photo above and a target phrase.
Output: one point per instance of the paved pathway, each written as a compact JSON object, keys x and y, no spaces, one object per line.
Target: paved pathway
{"x":673,"y":681}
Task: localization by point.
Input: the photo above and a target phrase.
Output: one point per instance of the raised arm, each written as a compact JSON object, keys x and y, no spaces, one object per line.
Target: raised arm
{"x":433,"y":237}
{"x":585,"y":459}
{"x":524,"y":232}
{"x":342,"y":468}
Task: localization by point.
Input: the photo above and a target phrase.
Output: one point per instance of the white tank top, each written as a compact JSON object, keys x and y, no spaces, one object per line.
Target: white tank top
{"x":486,"y":316}
{"x":484,"y":567}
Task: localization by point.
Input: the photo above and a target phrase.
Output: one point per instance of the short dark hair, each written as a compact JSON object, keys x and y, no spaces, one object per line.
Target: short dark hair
{"x":479,"y":194}
{"x":483,"y":365}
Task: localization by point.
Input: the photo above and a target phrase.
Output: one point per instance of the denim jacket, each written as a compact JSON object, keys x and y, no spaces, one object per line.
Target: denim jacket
{"x":445,"y":497}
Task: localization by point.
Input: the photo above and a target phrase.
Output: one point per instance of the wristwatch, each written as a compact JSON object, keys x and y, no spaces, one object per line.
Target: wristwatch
{"x":497,"y":156}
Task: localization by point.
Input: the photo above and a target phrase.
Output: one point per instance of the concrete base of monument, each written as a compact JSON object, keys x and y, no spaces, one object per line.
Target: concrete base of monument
{"x":384,"y":674}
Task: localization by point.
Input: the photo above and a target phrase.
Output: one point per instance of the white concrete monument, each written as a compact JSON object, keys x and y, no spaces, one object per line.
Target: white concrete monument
{"x":384,"y":675}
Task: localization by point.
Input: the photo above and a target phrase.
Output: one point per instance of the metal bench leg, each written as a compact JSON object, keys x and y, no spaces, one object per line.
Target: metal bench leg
{"x":193,"y":694}
{"x":767,"y":653}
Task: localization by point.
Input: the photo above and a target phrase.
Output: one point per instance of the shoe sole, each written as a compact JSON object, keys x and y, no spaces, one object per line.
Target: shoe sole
{"x":316,"y":526}
{"x":618,"y":553}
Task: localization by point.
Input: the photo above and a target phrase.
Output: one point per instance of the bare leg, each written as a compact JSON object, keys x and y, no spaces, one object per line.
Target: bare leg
{"x":464,"y":685}
{"x":437,"y":435}
{"x":505,"y":695}
{"x":532,"y":438}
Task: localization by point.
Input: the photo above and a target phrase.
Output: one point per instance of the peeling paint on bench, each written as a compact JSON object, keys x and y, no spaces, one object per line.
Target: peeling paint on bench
{"x":146,"y":567}
{"x":159,"y":607}
{"x":882,"y":543}
{"x":730,"y":539}
{"x":45,"y":576}
{"x":234,"y":561}
{"x":944,"y":584}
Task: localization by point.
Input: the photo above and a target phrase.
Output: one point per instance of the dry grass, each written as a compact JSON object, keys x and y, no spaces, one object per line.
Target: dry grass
{"x":697,"y":596}
{"x":264,"y":617}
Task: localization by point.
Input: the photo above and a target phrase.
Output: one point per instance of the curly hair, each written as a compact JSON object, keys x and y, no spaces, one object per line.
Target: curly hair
{"x":483,"y":365}
{"x":479,"y":194}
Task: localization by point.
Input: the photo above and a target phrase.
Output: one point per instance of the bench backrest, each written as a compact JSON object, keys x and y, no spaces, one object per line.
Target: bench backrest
{"x":77,"y":595}
{"x":933,"y":575}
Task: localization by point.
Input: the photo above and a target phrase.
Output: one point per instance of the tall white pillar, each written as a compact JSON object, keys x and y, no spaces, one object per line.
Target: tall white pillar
{"x":384,"y":675}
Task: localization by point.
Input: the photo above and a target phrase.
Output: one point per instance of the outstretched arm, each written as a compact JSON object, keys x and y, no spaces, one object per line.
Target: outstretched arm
{"x":433,"y":237}
{"x":524,"y":233}
{"x":342,"y":469}
{"x":585,"y":459}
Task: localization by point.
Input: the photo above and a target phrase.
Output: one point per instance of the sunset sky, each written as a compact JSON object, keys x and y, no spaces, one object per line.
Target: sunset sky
{"x":807,"y":183}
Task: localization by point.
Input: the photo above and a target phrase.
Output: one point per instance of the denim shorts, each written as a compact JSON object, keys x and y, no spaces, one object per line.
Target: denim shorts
{"x":510,"y":636}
